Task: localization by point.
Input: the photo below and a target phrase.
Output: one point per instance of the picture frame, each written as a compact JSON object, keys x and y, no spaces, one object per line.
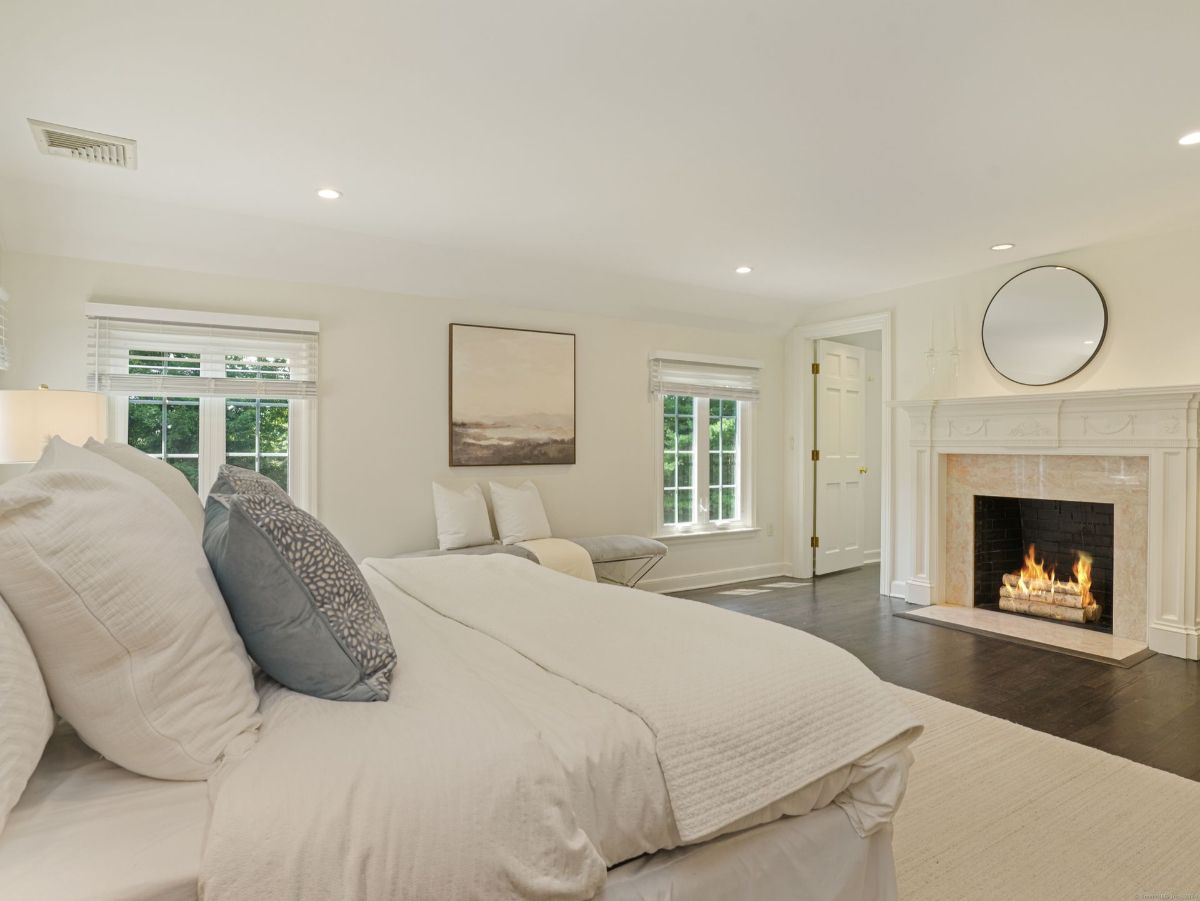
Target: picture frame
{"x":512,"y":396}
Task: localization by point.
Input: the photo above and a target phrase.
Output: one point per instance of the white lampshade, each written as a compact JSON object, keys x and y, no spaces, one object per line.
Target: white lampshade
{"x":28,"y":419}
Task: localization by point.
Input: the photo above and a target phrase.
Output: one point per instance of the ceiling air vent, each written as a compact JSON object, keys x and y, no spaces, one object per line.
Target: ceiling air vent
{"x":89,"y":146}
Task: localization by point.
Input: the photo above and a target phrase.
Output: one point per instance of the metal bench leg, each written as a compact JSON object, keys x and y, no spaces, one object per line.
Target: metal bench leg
{"x":632,"y":581}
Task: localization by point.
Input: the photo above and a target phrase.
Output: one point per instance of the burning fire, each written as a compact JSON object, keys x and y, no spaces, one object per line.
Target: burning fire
{"x":1037,"y":591}
{"x":1035,"y":577}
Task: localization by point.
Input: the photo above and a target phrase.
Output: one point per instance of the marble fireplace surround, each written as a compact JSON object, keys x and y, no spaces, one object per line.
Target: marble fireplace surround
{"x":1135,"y":448}
{"x":1120,"y":481}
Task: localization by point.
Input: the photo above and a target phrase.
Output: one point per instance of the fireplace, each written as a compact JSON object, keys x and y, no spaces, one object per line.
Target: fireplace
{"x":1136,"y":449}
{"x":1051,"y":559}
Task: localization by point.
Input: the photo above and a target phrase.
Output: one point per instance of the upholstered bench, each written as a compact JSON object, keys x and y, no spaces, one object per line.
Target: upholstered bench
{"x":611,"y":550}
{"x":608,"y":551}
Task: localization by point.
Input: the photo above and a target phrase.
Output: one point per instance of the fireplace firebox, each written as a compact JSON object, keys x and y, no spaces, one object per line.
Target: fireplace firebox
{"x":1051,"y":559}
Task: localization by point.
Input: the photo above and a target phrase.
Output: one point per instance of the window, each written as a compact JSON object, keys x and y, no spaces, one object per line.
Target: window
{"x":256,"y":436}
{"x":704,"y":407}
{"x":723,"y":480}
{"x":199,"y":393}
{"x":167,"y":428}
{"x":679,"y":460}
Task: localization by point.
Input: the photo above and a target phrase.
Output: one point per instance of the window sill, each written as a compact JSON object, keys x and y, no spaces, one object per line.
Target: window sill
{"x":702,"y":534}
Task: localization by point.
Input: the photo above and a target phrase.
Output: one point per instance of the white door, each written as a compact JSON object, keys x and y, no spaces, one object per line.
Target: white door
{"x":841,"y":425}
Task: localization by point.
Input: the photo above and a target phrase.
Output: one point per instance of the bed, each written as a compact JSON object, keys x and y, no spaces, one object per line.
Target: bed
{"x":87,"y":829}
{"x":495,"y":770}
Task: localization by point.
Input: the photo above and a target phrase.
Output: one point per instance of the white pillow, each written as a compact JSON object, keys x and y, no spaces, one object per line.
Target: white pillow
{"x":117,"y":600}
{"x":26,"y":719}
{"x":520,"y":515}
{"x":163,"y":476}
{"x":462,"y":517}
{"x":61,"y":454}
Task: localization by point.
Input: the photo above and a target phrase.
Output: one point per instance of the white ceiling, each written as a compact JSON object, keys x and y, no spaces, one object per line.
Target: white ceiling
{"x":601,"y":154}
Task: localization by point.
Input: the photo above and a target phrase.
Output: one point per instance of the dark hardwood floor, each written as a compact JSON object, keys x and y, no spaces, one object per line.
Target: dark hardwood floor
{"x":1149,"y":713}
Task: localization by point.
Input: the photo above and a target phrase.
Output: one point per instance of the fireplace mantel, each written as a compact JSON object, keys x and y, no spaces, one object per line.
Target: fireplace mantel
{"x":1160,"y":424}
{"x":1134,"y":418}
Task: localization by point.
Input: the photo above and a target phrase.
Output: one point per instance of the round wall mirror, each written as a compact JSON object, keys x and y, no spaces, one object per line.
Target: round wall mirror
{"x":1044,"y":325}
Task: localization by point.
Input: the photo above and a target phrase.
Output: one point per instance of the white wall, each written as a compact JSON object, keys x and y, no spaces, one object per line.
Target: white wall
{"x":383,"y":406}
{"x":1151,"y":285}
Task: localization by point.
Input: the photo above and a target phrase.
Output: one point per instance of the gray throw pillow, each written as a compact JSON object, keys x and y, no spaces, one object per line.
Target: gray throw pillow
{"x":236,"y":480}
{"x":303,"y":609}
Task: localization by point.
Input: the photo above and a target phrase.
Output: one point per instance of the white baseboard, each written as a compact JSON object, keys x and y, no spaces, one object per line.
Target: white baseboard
{"x":690,"y":581}
{"x":1175,"y":640}
{"x":871,"y":556}
{"x":899,"y":589}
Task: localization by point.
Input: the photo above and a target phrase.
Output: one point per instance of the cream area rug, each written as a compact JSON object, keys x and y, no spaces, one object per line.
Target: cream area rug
{"x":998,"y":811}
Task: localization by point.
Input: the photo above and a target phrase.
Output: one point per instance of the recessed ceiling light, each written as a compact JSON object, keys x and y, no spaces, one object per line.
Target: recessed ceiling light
{"x":1192,"y":137}
{"x":743,"y":270}
{"x":1003,"y":246}
{"x":329,"y":193}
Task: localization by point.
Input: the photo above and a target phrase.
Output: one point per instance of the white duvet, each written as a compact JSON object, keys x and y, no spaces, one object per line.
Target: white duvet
{"x":490,"y":775}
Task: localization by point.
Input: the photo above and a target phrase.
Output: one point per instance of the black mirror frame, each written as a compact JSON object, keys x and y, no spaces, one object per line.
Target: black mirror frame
{"x":1084,"y":365}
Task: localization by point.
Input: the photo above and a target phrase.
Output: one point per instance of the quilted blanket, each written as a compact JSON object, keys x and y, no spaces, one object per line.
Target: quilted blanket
{"x":743,"y":711}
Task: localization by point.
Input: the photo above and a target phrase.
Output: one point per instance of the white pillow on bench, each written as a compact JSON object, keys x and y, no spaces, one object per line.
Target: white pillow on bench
{"x":462,"y":517}
{"x":520,"y":515}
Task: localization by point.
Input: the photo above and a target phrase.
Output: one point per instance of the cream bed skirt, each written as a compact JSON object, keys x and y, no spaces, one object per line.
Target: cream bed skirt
{"x":817,"y":857}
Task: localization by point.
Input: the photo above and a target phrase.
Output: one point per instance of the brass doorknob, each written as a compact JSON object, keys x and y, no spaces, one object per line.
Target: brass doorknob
{"x":862,"y":470}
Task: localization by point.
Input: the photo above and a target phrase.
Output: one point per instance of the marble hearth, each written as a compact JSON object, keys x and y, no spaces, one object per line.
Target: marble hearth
{"x":1134,"y":449}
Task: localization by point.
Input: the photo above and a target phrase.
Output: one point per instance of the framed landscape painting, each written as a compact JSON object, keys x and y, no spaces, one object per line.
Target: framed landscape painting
{"x":512,"y":396}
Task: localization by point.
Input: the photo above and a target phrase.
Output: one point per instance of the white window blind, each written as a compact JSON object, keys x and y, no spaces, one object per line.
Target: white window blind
{"x":711,"y":377}
{"x":171,"y":353}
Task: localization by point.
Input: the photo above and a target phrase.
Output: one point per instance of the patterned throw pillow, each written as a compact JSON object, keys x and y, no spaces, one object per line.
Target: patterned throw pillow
{"x":235,"y":480}
{"x":302,"y":607}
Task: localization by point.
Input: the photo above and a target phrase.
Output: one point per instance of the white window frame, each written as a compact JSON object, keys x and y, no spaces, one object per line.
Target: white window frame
{"x":745,"y":473}
{"x":302,"y":413}
{"x":302,"y":438}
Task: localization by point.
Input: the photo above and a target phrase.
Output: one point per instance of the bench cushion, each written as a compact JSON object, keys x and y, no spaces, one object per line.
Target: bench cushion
{"x":514,"y":550}
{"x":612,"y":548}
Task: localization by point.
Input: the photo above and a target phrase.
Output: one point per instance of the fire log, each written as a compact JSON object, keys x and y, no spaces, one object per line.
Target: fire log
{"x":1087,"y":614}
{"x":1057,"y":597}
{"x":1013,"y":580}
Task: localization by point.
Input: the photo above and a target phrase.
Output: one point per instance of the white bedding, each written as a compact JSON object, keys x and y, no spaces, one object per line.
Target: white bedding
{"x":445,"y":791}
{"x":744,"y":711}
{"x":87,"y":829}
{"x":485,"y":776}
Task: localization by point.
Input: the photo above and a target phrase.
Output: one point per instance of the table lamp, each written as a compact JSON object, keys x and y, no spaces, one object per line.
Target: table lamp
{"x":28,"y":419}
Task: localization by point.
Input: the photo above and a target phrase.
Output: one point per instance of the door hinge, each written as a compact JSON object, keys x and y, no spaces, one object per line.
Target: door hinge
{"x":814,"y":542}
{"x":816,"y":455}
{"x":816,"y":369}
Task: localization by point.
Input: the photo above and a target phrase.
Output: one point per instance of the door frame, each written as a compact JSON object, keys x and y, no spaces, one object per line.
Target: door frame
{"x":800,"y":428}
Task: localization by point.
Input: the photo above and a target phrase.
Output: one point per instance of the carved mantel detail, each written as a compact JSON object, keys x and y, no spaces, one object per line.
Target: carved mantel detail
{"x":1133,"y":418}
{"x":967,"y":428}
{"x":1029,"y":428}
{"x":1107,"y":425}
